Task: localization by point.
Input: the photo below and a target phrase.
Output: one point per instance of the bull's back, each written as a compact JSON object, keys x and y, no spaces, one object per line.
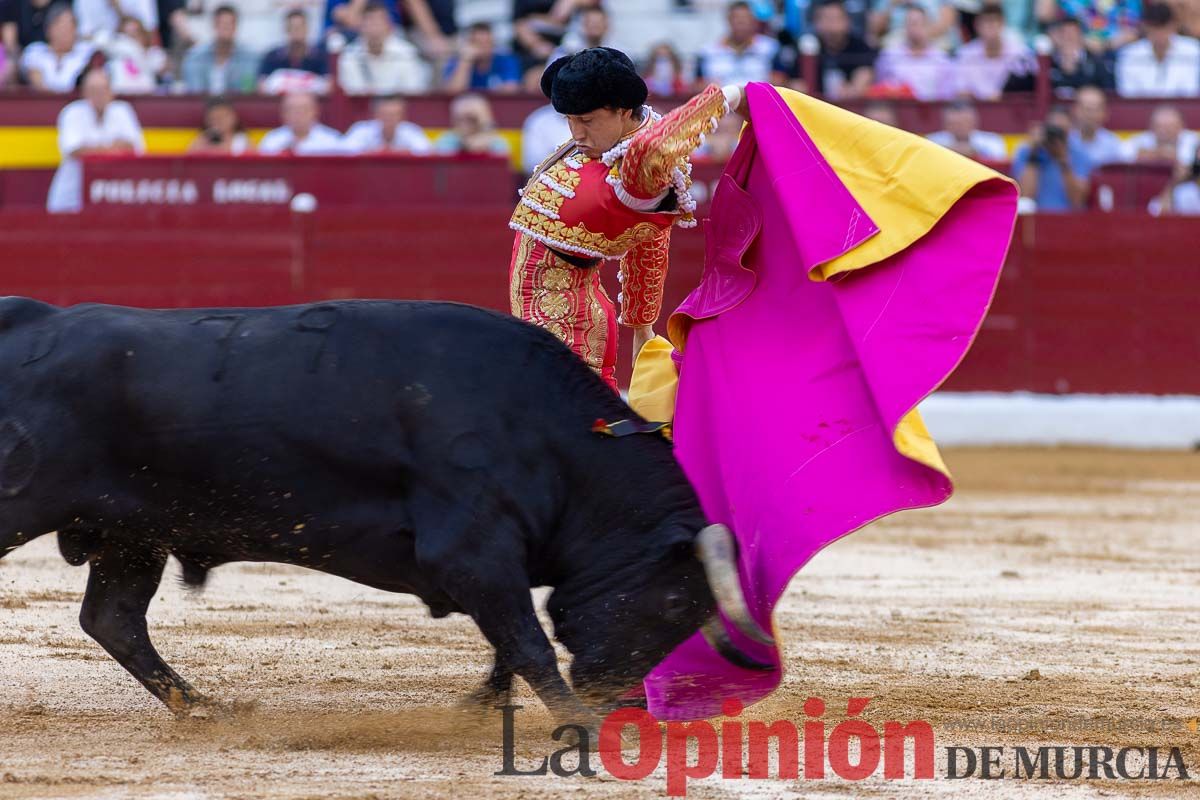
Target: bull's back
{"x":371,"y":385}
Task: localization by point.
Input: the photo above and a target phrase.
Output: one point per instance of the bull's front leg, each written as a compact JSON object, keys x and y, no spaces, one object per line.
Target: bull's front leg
{"x":120,"y":587}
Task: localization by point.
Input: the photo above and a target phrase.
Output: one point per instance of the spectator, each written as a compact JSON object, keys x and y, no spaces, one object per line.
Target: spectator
{"x":742,"y":55}
{"x":94,"y":124}
{"x":473,"y":131}
{"x":846,"y":63}
{"x":539,"y":27}
{"x":380,"y":61}
{"x":432,"y":19}
{"x":1163,"y":64}
{"x":1051,"y":169}
{"x":22,"y":22}
{"x":388,"y":132}
{"x":135,"y":63}
{"x":223,"y":132}
{"x":1167,"y":139}
{"x":986,"y":64}
{"x":962,"y":135}
{"x":56,"y":64}
{"x":881,"y":112}
{"x":888,"y":19}
{"x":1182,"y":194}
{"x":302,"y":133}
{"x":1090,"y":113}
{"x":1109,"y":24}
{"x":222,"y":66}
{"x":479,"y":67}
{"x":543,"y":132}
{"x":1072,"y":65}
{"x":295,"y":65}
{"x":664,"y":73}
{"x":593,"y":32}
{"x":915,"y":66}
{"x":100,"y":19}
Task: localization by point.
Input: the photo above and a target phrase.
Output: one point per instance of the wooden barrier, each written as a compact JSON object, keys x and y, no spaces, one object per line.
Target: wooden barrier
{"x":1087,"y":303}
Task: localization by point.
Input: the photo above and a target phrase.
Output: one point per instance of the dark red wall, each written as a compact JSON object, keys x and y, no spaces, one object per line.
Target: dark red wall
{"x":1086,"y":303}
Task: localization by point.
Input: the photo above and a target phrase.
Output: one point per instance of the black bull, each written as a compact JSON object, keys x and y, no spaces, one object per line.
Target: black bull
{"x":429,"y":448}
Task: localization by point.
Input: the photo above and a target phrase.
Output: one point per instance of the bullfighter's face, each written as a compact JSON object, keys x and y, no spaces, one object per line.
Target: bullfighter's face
{"x":599,"y":131}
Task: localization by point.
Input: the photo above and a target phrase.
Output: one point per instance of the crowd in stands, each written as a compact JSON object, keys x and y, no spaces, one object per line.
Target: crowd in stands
{"x":875,"y":51}
{"x":923,"y":49}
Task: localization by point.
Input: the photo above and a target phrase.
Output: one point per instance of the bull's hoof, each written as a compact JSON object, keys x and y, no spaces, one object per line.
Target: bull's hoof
{"x":483,"y":700}
{"x":215,"y":710}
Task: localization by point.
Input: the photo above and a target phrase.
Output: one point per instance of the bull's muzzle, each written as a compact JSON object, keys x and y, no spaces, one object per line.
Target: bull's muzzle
{"x":715,"y":549}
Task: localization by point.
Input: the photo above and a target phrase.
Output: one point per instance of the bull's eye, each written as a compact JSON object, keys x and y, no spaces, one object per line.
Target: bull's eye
{"x":676,"y":605}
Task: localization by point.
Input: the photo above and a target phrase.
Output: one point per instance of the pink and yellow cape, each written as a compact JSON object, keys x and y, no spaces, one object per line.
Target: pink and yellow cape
{"x":848,"y":268}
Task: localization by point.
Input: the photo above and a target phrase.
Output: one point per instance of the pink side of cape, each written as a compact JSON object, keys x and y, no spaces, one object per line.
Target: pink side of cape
{"x":790,"y":389}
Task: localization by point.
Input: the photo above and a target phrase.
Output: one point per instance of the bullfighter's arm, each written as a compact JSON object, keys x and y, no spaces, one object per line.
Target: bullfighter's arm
{"x":656,"y":157}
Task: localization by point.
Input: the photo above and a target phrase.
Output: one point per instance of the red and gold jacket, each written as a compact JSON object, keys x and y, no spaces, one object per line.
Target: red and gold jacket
{"x":607,"y":208}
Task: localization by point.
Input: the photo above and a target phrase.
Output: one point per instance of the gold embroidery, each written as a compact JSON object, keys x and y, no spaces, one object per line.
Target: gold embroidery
{"x":556,"y":279}
{"x":554,"y":305}
{"x":574,"y":237}
{"x":521,"y":248}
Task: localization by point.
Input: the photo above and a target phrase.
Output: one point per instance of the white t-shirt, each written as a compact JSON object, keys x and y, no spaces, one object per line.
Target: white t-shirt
{"x":322,"y":140}
{"x":59,"y":74}
{"x":367,"y":137}
{"x":80,"y":127}
{"x":986,"y":145}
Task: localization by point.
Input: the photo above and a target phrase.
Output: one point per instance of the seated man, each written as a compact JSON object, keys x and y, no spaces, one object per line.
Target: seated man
{"x":916,"y":65}
{"x":1167,"y":139}
{"x":387,"y":132}
{"x":96,"y":123}
{"x":1090,"y":113}
{"x":296,"y":64}
{"x":1051,"y":169}
{"x":845,"y":62}
{"x":1163,"y":64}
{"x":995,"y":59}
{"x":301,"y":134}
{"x":222,"y":66}
{"x":962,"y":134}
{"x":479,"y":67}
{"x":381,"y":61}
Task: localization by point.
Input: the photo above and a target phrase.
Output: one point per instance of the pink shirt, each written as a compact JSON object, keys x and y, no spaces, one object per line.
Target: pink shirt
{"x":929,"y":74}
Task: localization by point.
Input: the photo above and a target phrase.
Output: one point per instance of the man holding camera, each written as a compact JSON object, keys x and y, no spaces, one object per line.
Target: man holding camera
{"x":1051,"y":167}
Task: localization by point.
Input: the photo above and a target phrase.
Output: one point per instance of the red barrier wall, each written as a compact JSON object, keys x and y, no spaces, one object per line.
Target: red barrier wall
{"x":1087,"y":303}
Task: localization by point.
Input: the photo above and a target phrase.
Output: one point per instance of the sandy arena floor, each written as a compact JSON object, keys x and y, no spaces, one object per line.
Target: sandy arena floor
{"x":1080,"y":564}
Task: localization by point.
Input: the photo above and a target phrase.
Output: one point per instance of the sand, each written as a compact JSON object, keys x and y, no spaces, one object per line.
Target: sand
{"x":1052,"y":601}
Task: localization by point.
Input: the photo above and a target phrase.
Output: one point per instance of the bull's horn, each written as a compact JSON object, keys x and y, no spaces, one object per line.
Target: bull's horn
{"x":714,"y":547}
{"x":718,"y":638}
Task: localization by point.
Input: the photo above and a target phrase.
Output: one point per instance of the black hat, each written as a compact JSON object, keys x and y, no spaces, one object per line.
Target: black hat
{"x":599,"y":77}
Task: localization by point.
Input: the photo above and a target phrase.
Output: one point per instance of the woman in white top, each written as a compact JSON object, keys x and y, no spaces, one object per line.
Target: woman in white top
{"x":222,"y":132}
{"x":134,"y":61}
{"x":56,"y":64}
{"x":94,"y":124}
